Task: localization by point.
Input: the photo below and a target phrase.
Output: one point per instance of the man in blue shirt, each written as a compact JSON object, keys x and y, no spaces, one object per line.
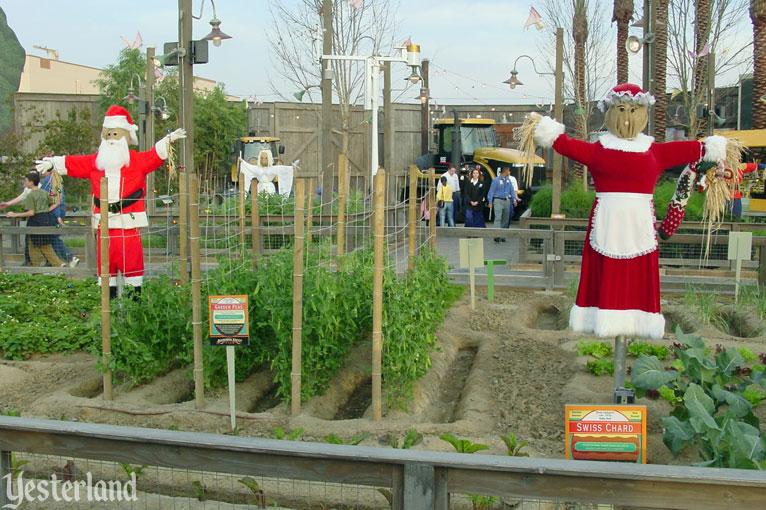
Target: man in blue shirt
{"x":501,"y":198}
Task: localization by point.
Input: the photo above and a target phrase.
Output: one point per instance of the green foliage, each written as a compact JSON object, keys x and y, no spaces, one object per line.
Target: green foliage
{"x":200,"y":490}
{"x":334,"y":438}
{"x":46,"y":314}
{"x":16,"y":464}
{"x":278,"y":433}
{"x":463,"y":445}
{"x":753,"y":297}
{"x":600,"y":367}
{"x":12,"y":60}
{"x":413,"y":438}
{"x":514,"y":445}
{"x":575,"y":202}
{"x":637,"y":347}
{"x":129,"y":469}
{"x":664,"y":192}
{"x":595,"y":348}
{"x":704,"y":304}
{"x":712,"y":410}
{"x":414,"y":309}
{"x":747,"y":354}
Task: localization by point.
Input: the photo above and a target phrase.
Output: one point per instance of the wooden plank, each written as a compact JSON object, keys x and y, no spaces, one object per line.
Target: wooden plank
{"x":419,"y":486}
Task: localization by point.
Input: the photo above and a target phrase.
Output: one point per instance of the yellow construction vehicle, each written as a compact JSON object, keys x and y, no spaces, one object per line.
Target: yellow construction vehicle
{"x":249,"y":147}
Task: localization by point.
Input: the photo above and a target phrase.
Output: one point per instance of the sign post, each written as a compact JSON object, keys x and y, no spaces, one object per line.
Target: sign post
{"x":606,"y":432}
{"x":740,"y":246}
{"x":472,"y":256}
{"x":229,"y":326}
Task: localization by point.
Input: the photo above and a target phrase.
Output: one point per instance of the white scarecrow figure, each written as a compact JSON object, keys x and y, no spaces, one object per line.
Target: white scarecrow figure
{"x":265,"y":171}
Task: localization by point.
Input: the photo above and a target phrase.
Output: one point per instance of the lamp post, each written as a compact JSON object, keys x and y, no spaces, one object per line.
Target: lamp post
{"x":558,"y":75}
{"x":410,"y":55}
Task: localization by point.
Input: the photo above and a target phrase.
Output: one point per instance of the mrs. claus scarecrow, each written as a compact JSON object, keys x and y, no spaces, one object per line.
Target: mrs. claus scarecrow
{"x":619,"y":292}
{"x":125,"y":171}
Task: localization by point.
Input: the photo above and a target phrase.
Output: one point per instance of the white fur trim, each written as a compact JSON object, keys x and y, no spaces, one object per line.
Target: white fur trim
{"x":121,"y":122}
{"x":134,"y":281}
{"x":162,"y":147}
{"x":547,"y":131}
{"x":715,"y":148}
{"x":112,"y":281}
{"x":59,"y":163}
{"x":625,"y":96}
{"x":609,"y":323}
{"x":640,"y":143}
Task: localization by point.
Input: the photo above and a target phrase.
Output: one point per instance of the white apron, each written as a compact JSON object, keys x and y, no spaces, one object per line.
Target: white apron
{"x":623,"y":225}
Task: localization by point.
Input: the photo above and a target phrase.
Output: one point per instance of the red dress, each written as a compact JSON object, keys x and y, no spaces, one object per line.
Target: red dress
{"x":619,"y":292}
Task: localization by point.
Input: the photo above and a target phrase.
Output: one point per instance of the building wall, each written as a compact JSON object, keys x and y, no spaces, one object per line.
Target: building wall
{"x":48,"y":76}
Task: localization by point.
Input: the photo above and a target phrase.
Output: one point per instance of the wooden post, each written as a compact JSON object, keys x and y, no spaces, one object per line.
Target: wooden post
{"x":341,"y":249}
{"x":199,"y":381}
{"x":183,"y":221}
{"x":106,"y":330}
{"x":255,"y":226}
{"x":412,"y":221}
{"x":310,"y":212}
{"x":379,"y":211}
{"x":432,"y":213}
{"x":242,"y":213}
{"x":295,"y":375}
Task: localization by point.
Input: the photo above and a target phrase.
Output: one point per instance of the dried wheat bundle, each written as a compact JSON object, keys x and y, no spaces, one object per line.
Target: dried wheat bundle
{"x":171,"y":160}
{"x":527,"y":146}
{"x":56,"y":184}
{"x":717,"y":198}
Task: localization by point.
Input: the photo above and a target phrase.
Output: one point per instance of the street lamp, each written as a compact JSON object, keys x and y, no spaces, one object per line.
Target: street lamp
{"x":131,"y":95}
{"x":558,"y":113}
{"x":216,"y":35}
{"x":410,"y":55}
{"x":162,"y":110}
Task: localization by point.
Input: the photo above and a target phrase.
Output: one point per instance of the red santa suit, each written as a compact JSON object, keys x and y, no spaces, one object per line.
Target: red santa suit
{"x":126,"y":192}
{"x":619,"y":292}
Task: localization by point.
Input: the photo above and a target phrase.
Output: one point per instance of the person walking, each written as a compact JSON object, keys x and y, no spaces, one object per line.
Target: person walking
{"x":453,"y":179}
{"x":38,"y":205}
{"x":445,"y":203}
{"x":474,"y":200}
{"x":501,"y":199}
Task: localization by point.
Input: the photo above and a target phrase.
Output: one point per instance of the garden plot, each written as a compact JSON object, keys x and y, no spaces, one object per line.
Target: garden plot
{"x":497,"y":369}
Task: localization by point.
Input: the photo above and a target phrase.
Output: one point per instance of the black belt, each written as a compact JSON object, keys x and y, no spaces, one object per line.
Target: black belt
{"x":117,"y":207}
{"x":496,"y":198}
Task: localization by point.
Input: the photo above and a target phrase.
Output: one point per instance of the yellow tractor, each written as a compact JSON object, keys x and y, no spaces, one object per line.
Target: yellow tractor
{"x":249,"y":147}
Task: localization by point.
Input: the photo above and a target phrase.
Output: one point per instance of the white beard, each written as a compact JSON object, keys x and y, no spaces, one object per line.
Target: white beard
{"x":112,"y":155}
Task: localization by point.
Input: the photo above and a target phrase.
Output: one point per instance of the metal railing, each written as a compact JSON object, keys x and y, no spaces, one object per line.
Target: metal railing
{"x":416,"y":479}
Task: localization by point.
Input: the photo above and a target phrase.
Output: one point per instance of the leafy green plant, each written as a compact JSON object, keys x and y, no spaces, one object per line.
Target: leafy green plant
{"x":600,"y":366}
{"x":200,"y":490}
{"x":704,"y":304}
{"x":278,"y":433}
{"x":712,"y":413}
{"x":463,"y":445}
{"x":412,"y":438}
{"x":252,"y":484}
{"x":334,"y":438}
{"x":637,"y":347}
{"x":747,"y":354}
{"x":514,"y":445}
{"x":16,"y":464}
{"x":595,"y":348}
{"x":130,"y":469}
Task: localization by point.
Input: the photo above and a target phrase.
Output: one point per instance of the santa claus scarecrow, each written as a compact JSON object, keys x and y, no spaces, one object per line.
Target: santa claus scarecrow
{"x":619,"y":291}
{"x":126,"y":172}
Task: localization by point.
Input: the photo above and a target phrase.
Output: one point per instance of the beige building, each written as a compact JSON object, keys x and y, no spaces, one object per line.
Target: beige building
{"x":52,"y":76}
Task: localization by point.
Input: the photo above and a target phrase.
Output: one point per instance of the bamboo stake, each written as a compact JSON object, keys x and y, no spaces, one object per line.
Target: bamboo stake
{"x":255,"y":225}
{"x":295,"y":375}
{"x":310,"y":213}
{"x":183,"y":221}
{"x":106,"y":340}
{"x":341,"y":205}
{"x":199,"y":382}
{"x":242,"y":214}
{"x":432,"y":213}
{"x":379,"y":208}
{"x":413,"y":206}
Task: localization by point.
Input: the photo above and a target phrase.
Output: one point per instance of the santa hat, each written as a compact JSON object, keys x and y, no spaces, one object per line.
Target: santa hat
{"x":118,"y":117}
{"x":625,"y":93}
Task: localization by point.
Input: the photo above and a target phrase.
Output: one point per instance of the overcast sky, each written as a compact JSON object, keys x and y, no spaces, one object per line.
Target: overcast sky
{"x":472,"y":44}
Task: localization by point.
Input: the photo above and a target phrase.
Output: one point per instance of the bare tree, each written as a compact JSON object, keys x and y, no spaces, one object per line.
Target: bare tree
{"x":295,"y":40}
{"x":692,"y":24}
{"x":758,"y":17}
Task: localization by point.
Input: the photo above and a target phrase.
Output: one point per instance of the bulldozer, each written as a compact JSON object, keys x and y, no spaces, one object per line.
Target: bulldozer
{"x":466,"y":142}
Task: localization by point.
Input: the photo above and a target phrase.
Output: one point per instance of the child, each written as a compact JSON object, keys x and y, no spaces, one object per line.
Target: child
{"x":444,"y":196}
{"x":38,"y":204}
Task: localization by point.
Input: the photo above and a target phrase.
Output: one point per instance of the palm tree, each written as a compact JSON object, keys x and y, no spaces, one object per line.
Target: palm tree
{"x":701,"y":36}
{"x":660,"y":70}
{"x":622,"y":14}
{"x":580,"y":36}
{"x":758,"y":16}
